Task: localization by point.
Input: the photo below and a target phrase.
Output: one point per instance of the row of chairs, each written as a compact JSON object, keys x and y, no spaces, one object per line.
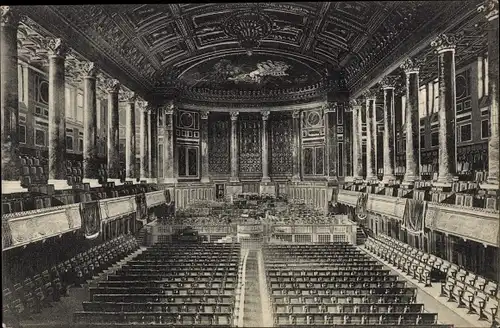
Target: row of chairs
{"x":160,"y":286}
{"x":468,"y":290}
{"x":41,"y":290}
{"x":349,"y":289}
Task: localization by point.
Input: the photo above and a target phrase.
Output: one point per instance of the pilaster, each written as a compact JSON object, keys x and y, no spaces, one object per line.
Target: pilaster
{"x":205,"y":178}
{"x":234,"y":148}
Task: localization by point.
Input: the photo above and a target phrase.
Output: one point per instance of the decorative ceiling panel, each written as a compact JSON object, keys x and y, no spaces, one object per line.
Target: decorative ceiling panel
{"x":144,"y":42}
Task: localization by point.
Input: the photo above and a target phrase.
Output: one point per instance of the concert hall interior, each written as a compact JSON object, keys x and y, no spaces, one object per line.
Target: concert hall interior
{"x":269,"y":164}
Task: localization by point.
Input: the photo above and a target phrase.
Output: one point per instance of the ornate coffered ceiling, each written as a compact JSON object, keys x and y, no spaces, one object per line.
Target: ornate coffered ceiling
{"x":147,"y":47}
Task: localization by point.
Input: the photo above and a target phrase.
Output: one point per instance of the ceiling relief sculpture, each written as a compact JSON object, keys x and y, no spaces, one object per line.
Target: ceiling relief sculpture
{"x":140,"y":44}
{"x":250,"y":72}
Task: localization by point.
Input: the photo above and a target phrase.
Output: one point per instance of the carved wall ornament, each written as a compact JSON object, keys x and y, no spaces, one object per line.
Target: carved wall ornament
{"x":447,"y":42}
{"x":56,"y":47}
{"x":249,"y":28}
{"x":112,"y":85}
{"x":410,"y":66}
{"x":296,"y":114}
{"x":490,"y":9}
{"x":10,"y":16}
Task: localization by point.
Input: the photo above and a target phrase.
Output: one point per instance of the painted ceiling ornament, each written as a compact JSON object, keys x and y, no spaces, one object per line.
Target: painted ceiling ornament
{"x":447,"y":42}
{"x":249,"y":28}
{"x":411,"y":65}
{"x":489,"y":8}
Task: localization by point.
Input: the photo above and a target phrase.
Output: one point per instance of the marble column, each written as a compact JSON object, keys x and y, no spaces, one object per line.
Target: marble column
{"x":113,"y":140}
{"x":490,"y":9}
{"x":445,"y":47}
{"x":234,"y":148}
{"x":144,"y":140}
{"x":9,"y":101}
{"x":296,"y":146}
{"x":371,"y":137}
{"x":153,"y":119}
{"x":168,"y":144}
{"x":130,"y":169}
{"x":57,"y":114}
{"x":205,"y":178}
{"x":388,"y":84}
{"x":357,"y":140}
{"x":89,"y":124}
{"x":265,"y":148}
{"x":411,"y":69}
{"x":331,"y":157}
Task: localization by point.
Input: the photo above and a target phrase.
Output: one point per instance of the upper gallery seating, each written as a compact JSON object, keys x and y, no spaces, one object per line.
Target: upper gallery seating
{"x":44,"y":196}
{"x":25,"y":295}
{"x":478,"y":294}
{"x":174,"y":284}
{"x":336,"y":284}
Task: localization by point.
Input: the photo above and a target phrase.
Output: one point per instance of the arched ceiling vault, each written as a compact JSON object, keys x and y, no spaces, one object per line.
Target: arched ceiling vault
{"x":148,"y":46}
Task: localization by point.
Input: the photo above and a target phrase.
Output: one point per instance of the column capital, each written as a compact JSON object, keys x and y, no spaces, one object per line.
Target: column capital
{"x":411,"y":66}
{"x":265,"y":115}
{"x":355,"y":104}
{"x":490,"y":9}
{"x":204,"y":114}
{"x":56,"y":47}
{"x":169,"y":108}
{"x":296,"y":113}
{"x":388,"y":82}
{"x":88,"y":69}
{"x":330,"y":107}
{"x":143,"y":107}
{"x":234,"y":116}
{"x":10,"y":16}
{"x":369,"y":94}
{"x":446,"y":42}
{"x":128,"y":96}
{"x":112,"y":85}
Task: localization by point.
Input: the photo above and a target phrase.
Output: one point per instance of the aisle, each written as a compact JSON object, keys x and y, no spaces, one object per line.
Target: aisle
{"x":252,"y":316}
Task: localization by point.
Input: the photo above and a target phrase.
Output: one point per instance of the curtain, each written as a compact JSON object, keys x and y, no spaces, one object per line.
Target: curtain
{"x":361,"y":206}
{"x":6,"y":234}
{"x":142,"y":208}
{"x":413,"y":218}
{"x":91,"y":219}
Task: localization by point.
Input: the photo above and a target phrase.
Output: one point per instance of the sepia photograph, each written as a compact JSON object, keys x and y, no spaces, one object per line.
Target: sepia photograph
{"x":267,"y":164}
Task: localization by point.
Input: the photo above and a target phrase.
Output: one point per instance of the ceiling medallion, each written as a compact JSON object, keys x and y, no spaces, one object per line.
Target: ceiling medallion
{"x":249,"y":27}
